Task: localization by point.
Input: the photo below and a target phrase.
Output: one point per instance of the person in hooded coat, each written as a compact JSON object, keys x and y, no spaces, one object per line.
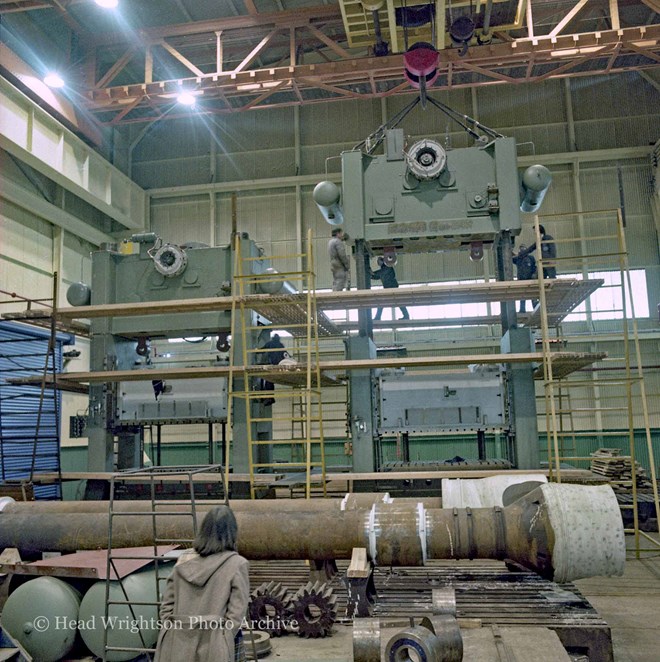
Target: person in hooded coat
{"x":206,"y":596}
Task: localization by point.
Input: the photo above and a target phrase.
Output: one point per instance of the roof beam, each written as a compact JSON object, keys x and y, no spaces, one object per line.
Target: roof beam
{"x":568,"y":18}
{"x":653,"y":4}
{"x":177,"y":56}
{"x":564,"y":52}
{"x":256,"y":50}
{"x":331,"y":44}
{"x":116,"y":67}
{"x":283,"y":19}
{"x":249,"y":5}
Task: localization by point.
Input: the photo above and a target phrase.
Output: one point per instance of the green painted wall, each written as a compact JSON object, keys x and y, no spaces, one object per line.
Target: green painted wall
{"x":74,"y":458}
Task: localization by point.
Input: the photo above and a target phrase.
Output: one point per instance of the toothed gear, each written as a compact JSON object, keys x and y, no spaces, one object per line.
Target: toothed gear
{"x":314,"y":607}
{"x":269,"y":608}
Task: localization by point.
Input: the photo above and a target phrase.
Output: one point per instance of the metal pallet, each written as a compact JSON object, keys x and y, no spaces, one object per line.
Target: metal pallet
{"x":485,"y":591}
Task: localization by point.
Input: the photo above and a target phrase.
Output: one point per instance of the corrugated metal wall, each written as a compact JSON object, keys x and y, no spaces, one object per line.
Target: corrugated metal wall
{"x":25,"y":447}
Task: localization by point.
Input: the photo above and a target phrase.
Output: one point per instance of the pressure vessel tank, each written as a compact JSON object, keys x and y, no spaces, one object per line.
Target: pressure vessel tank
{"x":127,"y":629}
{"x":275,"y":285}
{"x":43,"y":615}
{"x":79,"y":294}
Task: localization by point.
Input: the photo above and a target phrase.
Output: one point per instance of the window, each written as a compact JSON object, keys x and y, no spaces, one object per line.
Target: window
{"x":607,"y":301}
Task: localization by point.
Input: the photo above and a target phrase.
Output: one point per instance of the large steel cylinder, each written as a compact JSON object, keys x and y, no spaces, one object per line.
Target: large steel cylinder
{"x":415,"y":643}
{"x":560,"y":531}
{"x":42,"y":615}
{"x":348,"y":502}
{"x":270,"y":283}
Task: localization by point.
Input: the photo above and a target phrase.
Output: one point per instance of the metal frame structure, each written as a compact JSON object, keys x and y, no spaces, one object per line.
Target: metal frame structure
{"x":522,"y":61}
{"x":257,"y":60}
{"x":609,"y":251}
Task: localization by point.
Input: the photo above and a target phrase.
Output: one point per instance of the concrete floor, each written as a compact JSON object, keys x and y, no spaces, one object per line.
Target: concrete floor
{"x":630,"y":605}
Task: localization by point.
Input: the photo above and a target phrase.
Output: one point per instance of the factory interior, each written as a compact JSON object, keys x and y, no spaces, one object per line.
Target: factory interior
{"x":330,"y":330}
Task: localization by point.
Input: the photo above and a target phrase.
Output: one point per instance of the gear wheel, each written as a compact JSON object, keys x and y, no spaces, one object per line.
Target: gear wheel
{"x":269,"y":608}
{"x":314,"y":607}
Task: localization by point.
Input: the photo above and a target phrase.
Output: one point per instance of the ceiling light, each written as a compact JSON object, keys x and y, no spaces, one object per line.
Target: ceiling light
{"x":107,"y":4}
{"x":186,"y":98}
{"x":53,"y":79}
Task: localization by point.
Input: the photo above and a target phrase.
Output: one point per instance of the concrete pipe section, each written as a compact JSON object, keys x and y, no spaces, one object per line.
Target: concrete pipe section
{"x":562,"y":532}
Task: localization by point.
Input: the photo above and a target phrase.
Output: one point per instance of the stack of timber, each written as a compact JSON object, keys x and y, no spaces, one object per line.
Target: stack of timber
{"x":617,"y":468}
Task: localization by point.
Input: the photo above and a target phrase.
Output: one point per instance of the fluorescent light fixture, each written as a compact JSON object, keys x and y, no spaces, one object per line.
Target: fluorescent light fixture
{"x":248,"y":87}
{"x":53,"y":79}
{"x":186,"y":98}
{"x":107,"y":4}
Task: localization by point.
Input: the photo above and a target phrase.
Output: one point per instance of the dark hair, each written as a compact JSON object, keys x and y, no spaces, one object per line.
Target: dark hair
{"x":381,"y":261}
{"x":336,"y":231}
{"x":542,"y":229}
{"x":217,"y":533}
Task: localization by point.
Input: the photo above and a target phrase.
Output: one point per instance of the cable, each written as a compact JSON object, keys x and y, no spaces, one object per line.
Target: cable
{"x":373,"y":140}
{"x":456,"y":115}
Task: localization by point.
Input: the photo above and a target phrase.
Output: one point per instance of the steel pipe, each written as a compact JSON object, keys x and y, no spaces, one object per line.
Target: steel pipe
{"x":563,"y":532}
{"x":348,"y":502}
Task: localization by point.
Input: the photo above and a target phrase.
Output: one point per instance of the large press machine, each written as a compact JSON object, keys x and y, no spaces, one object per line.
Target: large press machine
{"x":146,"y":269}
{"x":411,"y":198}
{"x":417,"y":198}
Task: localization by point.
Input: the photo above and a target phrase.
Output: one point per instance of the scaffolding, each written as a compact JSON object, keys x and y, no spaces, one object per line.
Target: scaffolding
{"x":30,"y":414}
{"x":296,"y":312}
{"x":264,"y":404}
{"x":584,"y":412}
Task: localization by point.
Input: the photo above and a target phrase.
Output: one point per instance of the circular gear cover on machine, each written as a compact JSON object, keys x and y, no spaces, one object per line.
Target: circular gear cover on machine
{"x":426,"y":159}
{"x":170,"y":260}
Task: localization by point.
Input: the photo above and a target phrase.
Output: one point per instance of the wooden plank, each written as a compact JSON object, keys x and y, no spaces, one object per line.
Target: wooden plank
{"x":52,"y":477}
{"x":423,"y":475}
{"x":359,"y":566}
{"x":574,"y":358}
{"x":409,"y":296}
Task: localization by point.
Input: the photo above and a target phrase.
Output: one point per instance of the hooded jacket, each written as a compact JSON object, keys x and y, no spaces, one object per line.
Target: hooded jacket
{"x":204,"y":603}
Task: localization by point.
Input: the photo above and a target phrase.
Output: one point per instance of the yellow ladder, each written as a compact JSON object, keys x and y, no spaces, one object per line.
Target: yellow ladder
{"x":302,"y":382}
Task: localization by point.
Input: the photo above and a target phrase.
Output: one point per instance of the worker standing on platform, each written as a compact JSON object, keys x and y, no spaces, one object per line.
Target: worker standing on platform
{"x":339,"y":262}
{"x":273,"y":353}
{"x":526,"y":268}
{"x":548,"y":253}
{"x":387,"y":277}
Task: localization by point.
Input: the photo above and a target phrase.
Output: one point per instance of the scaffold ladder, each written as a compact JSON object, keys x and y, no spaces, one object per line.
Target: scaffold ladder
{"x":302,"y":386}
{"x":618,"y":396}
